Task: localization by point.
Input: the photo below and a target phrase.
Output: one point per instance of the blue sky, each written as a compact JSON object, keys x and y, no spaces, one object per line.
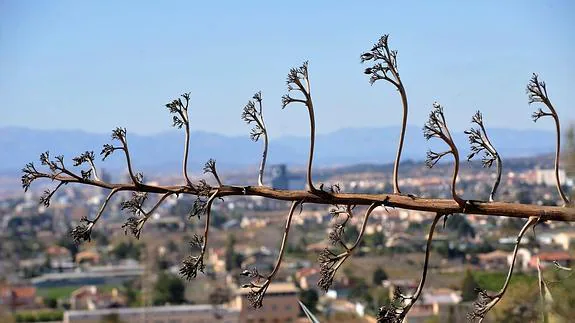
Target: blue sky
{"x":95,"y":65}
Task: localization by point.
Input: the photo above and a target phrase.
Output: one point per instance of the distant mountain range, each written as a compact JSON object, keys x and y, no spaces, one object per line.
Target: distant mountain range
{"x":164,"y":151}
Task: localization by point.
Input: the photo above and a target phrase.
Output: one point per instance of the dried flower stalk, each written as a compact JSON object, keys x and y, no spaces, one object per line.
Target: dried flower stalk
{"x":181,"y":119}
{"x":387,"y":70}
{"x":255,"y":114}
{"x":257,"y":289}
{"x":330,"y":262}
{"x":397,"y":309}
{"x":480,"y":142}
{"x":298,"y":81}
{"x":486,"y":302}
{"x":437,"y":127}
{"x":537,"y":92}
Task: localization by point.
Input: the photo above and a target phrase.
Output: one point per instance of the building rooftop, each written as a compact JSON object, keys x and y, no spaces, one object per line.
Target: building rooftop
{"x":206,"y":308}
{"x":274,"y":288}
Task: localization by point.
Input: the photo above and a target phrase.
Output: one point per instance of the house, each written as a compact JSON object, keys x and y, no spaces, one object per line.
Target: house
{"x":562,"y":258}
{"x":406,"y":286}
{"x":565,"y":239}
{"x":18,"y":297}
{"x":316,"y":247}
{"x":441,"y":303}
{"x":217,"y":258}
{"x":307,"y":278}
{"x":262,"y":259}
{"x":87,"y":257}
{"x":59,"y":256}
{"x":493,"y":260}
{"x":90,"y":298}
{"x":280,"y":304}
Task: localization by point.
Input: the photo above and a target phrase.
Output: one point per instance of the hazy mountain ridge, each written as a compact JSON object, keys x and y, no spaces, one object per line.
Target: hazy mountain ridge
{"x":343,"y":147}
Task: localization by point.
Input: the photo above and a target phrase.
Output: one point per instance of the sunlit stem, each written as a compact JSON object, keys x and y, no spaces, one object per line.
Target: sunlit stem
{"x":103,"y":207}
{"x":186,"y":147}
{"x":207,"y":226}
{"x":412,"y":299}
{"x":341,"y":258}
{"x":498,"y":162}
{"x":312,"y":143}
{"x":497,"y":297}
{"x":401,"y":135}
{"x":263,"y":288}
{"x":262,"y":125}
{"x":94,"y":170}
{"x":128,"y":160}
{"x":449,"y":140}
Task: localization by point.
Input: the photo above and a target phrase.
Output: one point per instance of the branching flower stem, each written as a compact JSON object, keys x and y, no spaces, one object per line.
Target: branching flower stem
{"x":486,"y":302}
{"x":265,"y":150}
{"x":103,"y":207}
{"x":186,"y":150}
{"x":480,"y":142}
{"x":84,"y":230}
{"x":331,"y":262}
{"x":120,"y":134}
{"x":258,"y":290}
{"x":436,"y":126}
{"x":537,"y":92}
{"x":207,"y":225}
{"x":252,"y":114}
{"x":497,"y":209}
{"x":295,"y":81}
{"x":381,"y":52}
{"x":413,"y":298}
{"x":146,"y":215}
{"x":181,"y":118}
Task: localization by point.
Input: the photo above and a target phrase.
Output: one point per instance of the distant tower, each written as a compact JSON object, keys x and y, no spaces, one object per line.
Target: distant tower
{"x":105,"y":175}
{"x":280,"y":177}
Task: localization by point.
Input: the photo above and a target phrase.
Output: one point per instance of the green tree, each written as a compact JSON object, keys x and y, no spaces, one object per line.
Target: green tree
{"x":460,"y":225}
{"x":127,"y":250}
{"x":469,"y":287}
{"x":309,"y":298}
{"x":379,"y":275}
{"x":169,"y":289}
{"x":351,"y":233}
{"x":51,"y":302}
{"x":233,"y":259}
{"x":70,"y":245}
{"x":131,"y":293}
{"x":358,"y":289}
{"x":111,"y":318}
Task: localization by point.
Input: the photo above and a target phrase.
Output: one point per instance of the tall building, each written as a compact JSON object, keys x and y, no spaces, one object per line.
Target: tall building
{"x":279,"y":177}
{"x":279,"y":305}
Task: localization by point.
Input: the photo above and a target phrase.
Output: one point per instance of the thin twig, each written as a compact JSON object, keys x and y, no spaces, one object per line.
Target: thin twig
{"x":381,"y":52}
{"x":331,"y":262}
{"x":258,"y":291}
{"x":294,"y":82}
{"x":486,"y":302}
{"x":252,"y":114}
{"x":437,"y":127}
{"x":84,"y":230}
{"x":398,"y":308}
{"x":537,"y":91}
{"x":480,"y":142}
